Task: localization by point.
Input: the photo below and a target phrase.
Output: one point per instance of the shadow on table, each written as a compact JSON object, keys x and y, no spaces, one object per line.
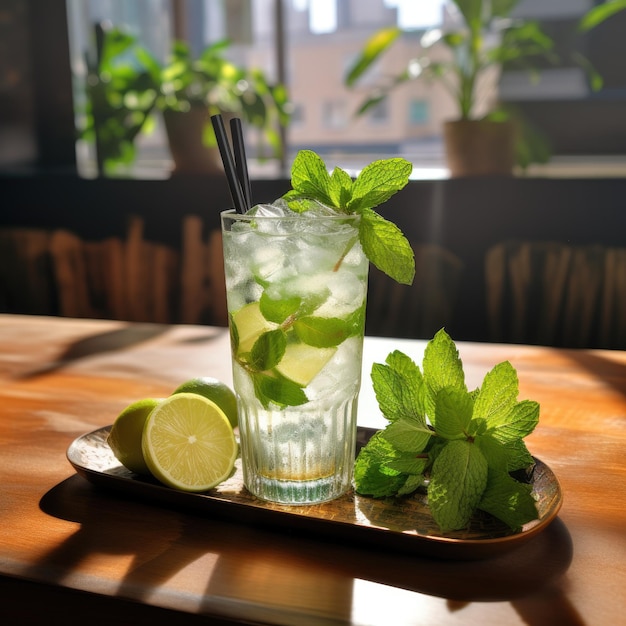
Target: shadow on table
{"x":256,"y":566}
{"x":112,"y":341}
{"x":602,"y":367}
{"x":100,"y":343}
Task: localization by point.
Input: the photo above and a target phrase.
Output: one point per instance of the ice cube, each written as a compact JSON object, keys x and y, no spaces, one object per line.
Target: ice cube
{"x":355,"y":257}
{"x":270,"y":263}
{"x":310,"y":259}
{"x":346,"y":294}
{"x":306,"y":286}
{"x":341,"y":375}
{"x":299,"y":222}
{"x":274,"y":226}
{"x":319,"y":209}
{"x":279,"y":208}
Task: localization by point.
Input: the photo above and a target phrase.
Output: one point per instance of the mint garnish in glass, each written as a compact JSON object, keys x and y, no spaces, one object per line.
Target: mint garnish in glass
{"x":382,"y":241}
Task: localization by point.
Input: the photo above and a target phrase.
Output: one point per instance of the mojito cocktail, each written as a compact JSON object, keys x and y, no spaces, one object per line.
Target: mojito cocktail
{"x":296,"y":288}
{"x":296,"y":282}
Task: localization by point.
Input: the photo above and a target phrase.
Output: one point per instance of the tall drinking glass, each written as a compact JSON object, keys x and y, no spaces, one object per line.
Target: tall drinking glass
{"x":296,"y":288}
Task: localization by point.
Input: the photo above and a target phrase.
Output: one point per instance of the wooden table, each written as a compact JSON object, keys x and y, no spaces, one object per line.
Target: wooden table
{"x":72,"y":553}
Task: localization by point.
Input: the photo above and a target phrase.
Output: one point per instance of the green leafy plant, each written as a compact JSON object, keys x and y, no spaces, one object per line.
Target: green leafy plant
{"x":212,"y":81}
{"x":127,"y":85}
{"x":463,"y":444}
{"x":485,"y":36}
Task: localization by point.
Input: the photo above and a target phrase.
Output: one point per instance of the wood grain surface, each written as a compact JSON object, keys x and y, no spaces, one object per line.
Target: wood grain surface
{"x":74,"y":553}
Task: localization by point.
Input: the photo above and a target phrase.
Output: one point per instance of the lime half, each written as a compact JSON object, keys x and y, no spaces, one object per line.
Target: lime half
{"x":188,"y":443}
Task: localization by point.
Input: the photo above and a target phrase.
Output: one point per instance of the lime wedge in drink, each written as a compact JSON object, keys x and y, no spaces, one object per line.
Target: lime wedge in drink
{"x":188,"y":443}
{"x":301,"y":363}
{"x":250,"y":325}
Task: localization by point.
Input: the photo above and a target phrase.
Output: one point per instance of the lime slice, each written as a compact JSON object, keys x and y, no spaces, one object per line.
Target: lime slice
{"x":216,"y":391}
{"x":188,"y":443}
{"x":125,"y":436}
{"x":250,"y":325}
{"x":301,"y":363}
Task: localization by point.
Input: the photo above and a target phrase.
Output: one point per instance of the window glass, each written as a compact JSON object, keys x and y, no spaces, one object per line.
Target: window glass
{"x":380,"y":113}
{"x":297,"y":114}
{"x":334,"y":114}
{"x":418,"y":112}
{"x":320,"y":40}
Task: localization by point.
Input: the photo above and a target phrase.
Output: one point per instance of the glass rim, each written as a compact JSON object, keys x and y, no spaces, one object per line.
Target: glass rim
{"x":244,"y":217}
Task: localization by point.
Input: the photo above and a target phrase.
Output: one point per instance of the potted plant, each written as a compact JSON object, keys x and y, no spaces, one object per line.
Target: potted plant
{"x":128,"y":86}
{"x":192,"y":89}
{"x":482,"y":39}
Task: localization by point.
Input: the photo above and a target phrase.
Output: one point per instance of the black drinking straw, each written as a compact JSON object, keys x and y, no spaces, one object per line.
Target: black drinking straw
{"x":241,"y":164}
{"x":229,"y":165}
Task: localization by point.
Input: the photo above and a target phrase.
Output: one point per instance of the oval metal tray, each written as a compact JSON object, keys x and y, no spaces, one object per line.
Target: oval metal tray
{"x":392,"y":523}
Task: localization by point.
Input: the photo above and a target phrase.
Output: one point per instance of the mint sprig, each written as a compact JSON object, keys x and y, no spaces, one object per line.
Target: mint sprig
{"x":382,"y":241}
{"x":463,"y":444}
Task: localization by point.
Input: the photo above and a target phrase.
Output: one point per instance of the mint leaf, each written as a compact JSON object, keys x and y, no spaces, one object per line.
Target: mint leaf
{"x":497,"y":454}
{"x":267,"y":350}
{"x":507,"y":457}
{"x":313,"y":301}
{"x":518,"y":455}
{"x":441,"y":368}
{"x":498,"y":394}
{"x":389,"y":387}
{"x":458,"y":480}
{"x":322,"y":332}
{"x":386,"y":247}
{"x":297,"y":202}
{"x":234,"y":334}
{"x":508,"y":500}
{"x":496,"y":409}
{"x":409,"y":463}
{"x":355,"y":321}
{"x":517,"y":424}
{"x":413,"y":482}
{"x":453,"y":413}
{"x":340,"y":190}
{"x":398,"y":387}
{"x":378,"y":182}
{"x":371,"y":475}
{"x":278,"y":390}
{"x":437,"y":444}
{"x":406,"y":366}
{"x":408,"y":434}
{"x":278,"y":310}
{"x":309,"y":176}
